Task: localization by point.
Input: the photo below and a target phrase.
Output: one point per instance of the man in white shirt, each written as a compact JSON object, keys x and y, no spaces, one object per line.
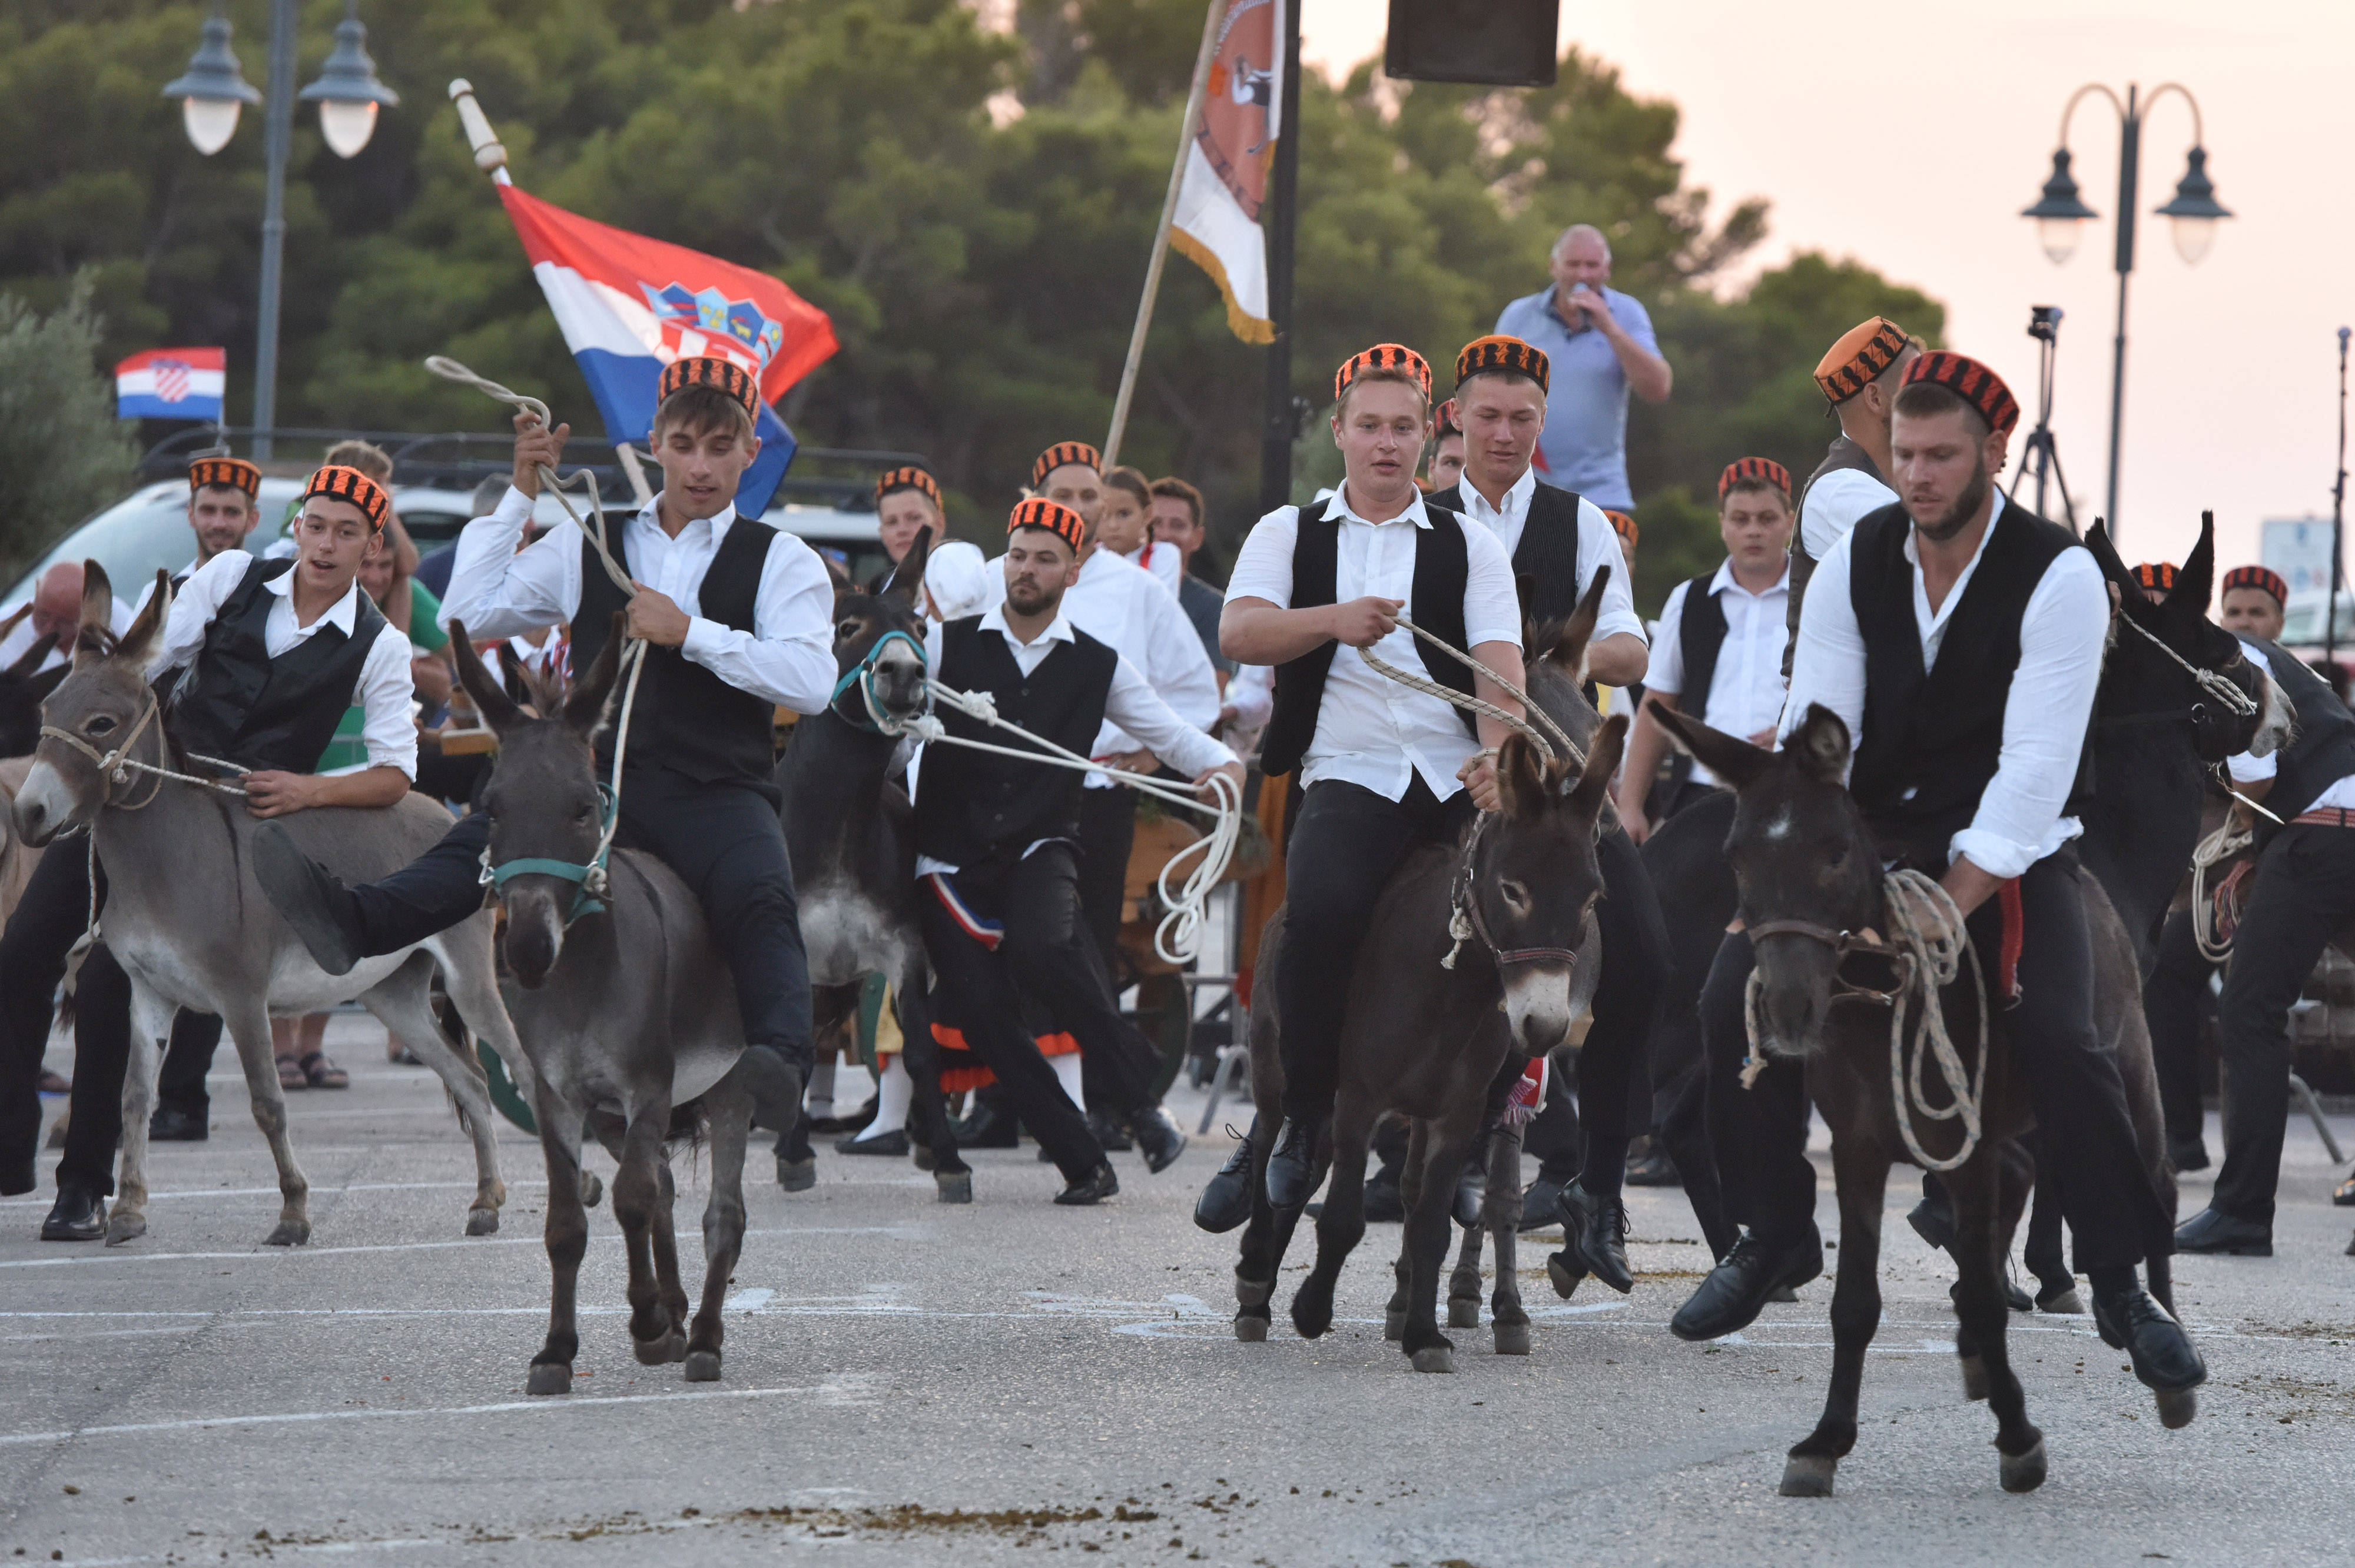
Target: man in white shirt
{"x":1383,"y":767}
{"x":53,"y":614}
{"x":1959,"y":640}
{"x":1858,"y":376}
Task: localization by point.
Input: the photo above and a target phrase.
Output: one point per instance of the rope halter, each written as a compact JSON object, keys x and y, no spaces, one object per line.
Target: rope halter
{"x":116,"y":768}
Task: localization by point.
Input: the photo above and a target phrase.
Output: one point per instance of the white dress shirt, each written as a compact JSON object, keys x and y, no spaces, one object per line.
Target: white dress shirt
{"x":1746,"y":689}
{"x":2250,"y":770}
{"x":2062,"y":635}
{"x":1371,"y":731}
{"x":1598,"y":547}
{"x":786,"y":658}
{"x":384,"y":691}
{"x":1167,"y":567}
{"x":21,"y":638}
{"x":1130,"y":703}
{"x":1834,"y":502}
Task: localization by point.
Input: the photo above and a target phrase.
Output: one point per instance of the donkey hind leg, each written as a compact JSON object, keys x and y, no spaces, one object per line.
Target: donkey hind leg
{"x":1979,"y":1302}
{"x":637,"y":1194}
{"x":669,"y":1292}
{"x":402,"y":1001}
{"x":248,"y":1022}
{"x":728,"y":1108}
{"x":1501,"y":1213}
{"x":920,"y":1058}
{"x":1430,"y":1214}
{"x":568,"y":1238}
{"x":1860,"y":1172}
{"x":151,"y":1026}
{"x":470,"y":976}
{"x":1264,"y":1241}
{"x":1418,"y":1144}
{"x":1342,"y":1224}
{"x":1463,"y":1280}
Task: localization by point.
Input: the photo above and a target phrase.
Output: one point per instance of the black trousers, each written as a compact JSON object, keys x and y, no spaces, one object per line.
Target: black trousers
{"x":2304,"y":894}
{"x":726,"y":843}
{"x":1107,"y":833}
{"x":2113,"y":1213}
{"x":1048,"y":955}
{"x":2175,"y":1002}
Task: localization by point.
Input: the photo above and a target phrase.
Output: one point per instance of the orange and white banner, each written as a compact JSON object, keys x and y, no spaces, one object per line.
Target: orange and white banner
{"x":1217,"y":223}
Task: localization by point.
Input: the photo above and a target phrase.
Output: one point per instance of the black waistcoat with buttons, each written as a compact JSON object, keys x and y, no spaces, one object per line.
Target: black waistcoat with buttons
{"x":1545,"y":562}
{"x":1442,"y":569}
{"x":1701,"y":636}
{"x":978,"y":811}
{"x":239,"y":705}
{"x":688,"y":720}
{"x":1932,"y":739}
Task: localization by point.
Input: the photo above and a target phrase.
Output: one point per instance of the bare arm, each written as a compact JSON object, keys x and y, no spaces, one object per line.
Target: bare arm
{"x":1648,"y":376}
{"x":274,"y":794}
{"x":1618,"y":660}
{"x":1968,"y":886}
{"x":1259,"y":631}
{"x":1645,"y":750}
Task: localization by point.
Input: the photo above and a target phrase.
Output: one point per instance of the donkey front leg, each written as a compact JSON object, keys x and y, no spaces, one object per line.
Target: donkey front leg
{"x":637,"y":1194}
{"x":728,"y":1107}
{"x":1418,"y":1139}
{"x":1501,"y":1213}
{"x":1430,"y":1211}
{"x":1464,"y":1281}
{"x":1979,"y":1302}
{"x":568,"y":1239}
{"x":1342,"y":1224}
{"x":403,"y":1003}
{"x":151,"y":1026}
{"x":1860,"y":1172}
{"x":248,"y":1023}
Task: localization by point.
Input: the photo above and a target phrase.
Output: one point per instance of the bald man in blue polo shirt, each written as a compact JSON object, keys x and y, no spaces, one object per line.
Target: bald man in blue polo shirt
{"x":1601,"y":347}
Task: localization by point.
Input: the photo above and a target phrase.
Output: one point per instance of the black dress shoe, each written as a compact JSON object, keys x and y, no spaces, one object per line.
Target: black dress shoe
{"x":1932,"y":1219}
{"x":310,"y":898}
{"x":177,"y":1124}
{"x":1471,"y":1195}
{"x":2188,"y":1153}
{"x":894,"y":1143}
{"x":1729,"y":1299}
{"x":775,"y":1082}
{"x":1159,"y":1135}
{"x":78,"y":1214}
{"x":1226,"y":1200}
{"x":1541,"y":1205}
{"x":1384,"y":1204}
{"x":1653,"y":1168}
{"x":2212,"y":1231}
{"x":1292,"y":1166}
{"x":1095,"y":1186}
{"x":1597,"y":1229}
{"x":985,"y":1129}
{"x":2343,"y":1195}
{"x":1114,"y":1136}
{"x":2132,"y":1322}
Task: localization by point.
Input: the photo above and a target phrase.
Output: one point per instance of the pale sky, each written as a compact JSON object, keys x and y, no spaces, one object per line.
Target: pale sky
{"x":1910,"y":137}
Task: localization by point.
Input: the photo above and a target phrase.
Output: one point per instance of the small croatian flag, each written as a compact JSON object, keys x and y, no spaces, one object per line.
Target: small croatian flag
{"x":171,"y":383}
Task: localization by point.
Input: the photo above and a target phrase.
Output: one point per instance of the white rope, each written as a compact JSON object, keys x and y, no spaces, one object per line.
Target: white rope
{"x":2231,"y":837}
{"x":1560,"y":746}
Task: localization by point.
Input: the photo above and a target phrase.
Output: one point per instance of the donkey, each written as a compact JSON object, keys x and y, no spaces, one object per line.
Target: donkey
{"x":192,"y":929}
{"x":850,"y":835}
{"x":625,"y":1009}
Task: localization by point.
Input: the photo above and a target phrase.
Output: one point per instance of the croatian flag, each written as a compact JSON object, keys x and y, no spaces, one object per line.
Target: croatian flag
{"x":171,"y":383}
{"x":628,"y":305}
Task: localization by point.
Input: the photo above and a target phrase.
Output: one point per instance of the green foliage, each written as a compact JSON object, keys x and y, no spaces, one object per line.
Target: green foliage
{"x":981,"y":266}
{"x":66,"y":454}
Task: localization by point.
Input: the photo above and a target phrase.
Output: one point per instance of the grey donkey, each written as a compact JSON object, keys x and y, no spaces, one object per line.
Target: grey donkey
{"x":191,"y":927}
{"x":625,"y":1009}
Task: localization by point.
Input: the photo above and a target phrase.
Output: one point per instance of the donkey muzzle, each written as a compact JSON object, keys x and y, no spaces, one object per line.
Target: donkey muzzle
{"x":43,"y":808}
{"x":1541,"y":1006}
{"x":535,"y":936}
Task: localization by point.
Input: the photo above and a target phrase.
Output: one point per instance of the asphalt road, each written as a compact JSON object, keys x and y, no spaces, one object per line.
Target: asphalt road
{"x":906,"y":1382}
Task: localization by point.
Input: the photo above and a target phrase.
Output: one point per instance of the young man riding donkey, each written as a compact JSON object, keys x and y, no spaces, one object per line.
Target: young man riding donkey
{"x":737,"y":617}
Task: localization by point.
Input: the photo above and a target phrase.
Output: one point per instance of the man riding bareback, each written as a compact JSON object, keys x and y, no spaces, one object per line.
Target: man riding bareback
{"x":737,"y":618}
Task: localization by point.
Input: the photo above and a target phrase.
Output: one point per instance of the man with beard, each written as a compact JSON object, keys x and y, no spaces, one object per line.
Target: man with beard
{"x":1959,"y":638}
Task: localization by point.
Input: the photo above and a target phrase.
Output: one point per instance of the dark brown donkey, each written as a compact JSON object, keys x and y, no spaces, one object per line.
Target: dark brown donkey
{"x":1813,"y":894}
{"x":625,"y":1009}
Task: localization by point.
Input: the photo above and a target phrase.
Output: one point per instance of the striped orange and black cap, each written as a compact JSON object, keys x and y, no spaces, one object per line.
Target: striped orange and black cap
{"x":2264,"y":578}
{"x":1755,"y":470}
{"x":892,"y":480}
{"x":1053,"y":516}
{"x":1974,"y":383}
{"x":1863,"y":352}
{"x":1062,"y":454}
{"x":1505,"y":354}
{"x":2156,"y":577}
{"x":228,"y":472}
{"x":710,"y":370}
{"x":1623,"y":526}
{"x":1383,"y":356}
{"x":337,"y":482}
{"x":1450,"y":421}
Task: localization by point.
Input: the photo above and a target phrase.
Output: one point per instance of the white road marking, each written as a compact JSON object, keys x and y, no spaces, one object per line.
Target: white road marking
{"x":687,"y":1239}
{"x":272,"y":1191}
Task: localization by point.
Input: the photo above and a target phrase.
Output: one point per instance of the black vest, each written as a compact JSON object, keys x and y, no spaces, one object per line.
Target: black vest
{"x":978,"y":811}
{"x":2323,"y":751}
{"x":1844,"y":453}
{"x":687,"y":719}
{"x":1700,"y":634}
{"x":241,"y":705}
{"x":1545,"y":563}
{"x":1932,"y":739}
{"x":1441,"y":570}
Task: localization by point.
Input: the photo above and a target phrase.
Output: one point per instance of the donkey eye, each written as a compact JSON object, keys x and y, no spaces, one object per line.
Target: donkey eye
{"x":100,"y":724}
{"x":1517,"y":895}
{"x":844,"y":630}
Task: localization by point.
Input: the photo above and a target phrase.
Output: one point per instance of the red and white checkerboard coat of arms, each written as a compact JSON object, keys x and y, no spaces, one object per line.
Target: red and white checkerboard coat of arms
{"x":171,"y":380}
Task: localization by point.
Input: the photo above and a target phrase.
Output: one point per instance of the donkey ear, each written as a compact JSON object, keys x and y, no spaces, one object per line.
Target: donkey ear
{"x":2196,"y":578}
{"x":1732,"y":760}
{"x":841,"y":583}
{"x":138,"y":644}
{"x":1521,"y":777}
{"x":2106,"y":555}
{"x":491,"y":700}
{"x":585,"y":709}
{"x":1569,"y":652}
{"x":1821,"y":744}
{"x":93,"y":637}
{"x":907,"y":576}
{"x":1603,"y":755}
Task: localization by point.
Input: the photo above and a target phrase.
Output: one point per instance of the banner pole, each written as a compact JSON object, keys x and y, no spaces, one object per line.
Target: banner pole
{"x":1277,"y":429}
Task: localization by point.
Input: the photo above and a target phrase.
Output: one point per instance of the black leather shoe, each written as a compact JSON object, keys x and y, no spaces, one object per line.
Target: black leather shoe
{"x":1226,"y":1200}
{"x":1471,"y":1195}
{"x":894,"y":1143}
{"x":1932,"y":1219}
{"x":2132,"y":1322}
{"x":2215,"y":1232}
{"x":775,"y":1082}
{"x":1292,"y":1167}
{"x":1541,"y":1205}
{"x":985,"y":1128}
{"x":322,"y":910}
{"x":1094,"y":1187}
{"x":1114,"y":1136}
{"x":177,"y":1124}
{"x":1596,"y":1230}
{"x":2341,"y":1196}
{"x":78,"y":1214}
{"x":2188,"y":1153}
{"x":1729,"y":1299}
{"x":1384,"y":1204}
{"x":1158,"y":1135}
{"x":1649,"y":1165}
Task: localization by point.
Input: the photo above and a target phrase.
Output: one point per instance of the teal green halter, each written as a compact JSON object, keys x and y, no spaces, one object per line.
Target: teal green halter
{"x":589,"y":880}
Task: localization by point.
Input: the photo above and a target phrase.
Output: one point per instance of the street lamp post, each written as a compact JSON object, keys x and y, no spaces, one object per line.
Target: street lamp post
{"x":2061,"y":214}
{"x":212,"y":91}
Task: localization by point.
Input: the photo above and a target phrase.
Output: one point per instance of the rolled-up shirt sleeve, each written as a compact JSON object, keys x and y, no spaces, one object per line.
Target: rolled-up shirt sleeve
{"x":1828,"y":667}
{"x":1263,"y":565}
{"x":788,"y":656}
{"x":1598,"y":547}
{"x":497,"y":591}
{"x":1137,"y":708}
{"x":1834,"y":502}
{"x":2247,"y":767}
{"x":385,"y":694}
{"x":2045,"y":716}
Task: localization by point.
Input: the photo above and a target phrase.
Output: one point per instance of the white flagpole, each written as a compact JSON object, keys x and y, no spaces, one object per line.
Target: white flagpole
{"x":1161,"y":235}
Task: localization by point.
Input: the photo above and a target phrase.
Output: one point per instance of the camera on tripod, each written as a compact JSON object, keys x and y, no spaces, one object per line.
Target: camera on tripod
{"x":2044,"y":322}
{"x":2040,"y":454}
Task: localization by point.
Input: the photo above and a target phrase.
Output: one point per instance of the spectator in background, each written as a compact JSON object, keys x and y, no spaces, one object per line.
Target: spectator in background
{"x":434,"y":570}
{"x":907,"y":503}
{"x":1600,"y":345}
{"x":1177,"y":527}
{"x":1125,"y":527}
{"x":1446,"y":449}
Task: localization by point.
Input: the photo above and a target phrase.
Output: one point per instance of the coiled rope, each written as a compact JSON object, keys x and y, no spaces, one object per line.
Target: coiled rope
{"x":2232,"y":836}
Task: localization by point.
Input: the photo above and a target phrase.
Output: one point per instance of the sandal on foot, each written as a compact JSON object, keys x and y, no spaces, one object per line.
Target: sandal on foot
{"x":322,"y":1073}
{"x":290,"y":1075}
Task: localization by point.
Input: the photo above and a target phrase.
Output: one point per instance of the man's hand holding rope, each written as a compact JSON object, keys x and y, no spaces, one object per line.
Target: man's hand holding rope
{"x":537,"y":447}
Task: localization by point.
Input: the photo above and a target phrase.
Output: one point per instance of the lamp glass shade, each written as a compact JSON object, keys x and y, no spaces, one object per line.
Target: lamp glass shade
{"x":210,"y":122}
{"x":2059,"y":237}
{"x":2192,"y":237}
{"x":346,"y":125}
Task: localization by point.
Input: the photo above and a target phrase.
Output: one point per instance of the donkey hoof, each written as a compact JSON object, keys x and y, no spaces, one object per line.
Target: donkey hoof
{"x":1394,"y":1323}
{"x":549,"y":1377}
{"x":2024,"y":1472}
{"x":1312,"y":1315}
{"x":2064,"y":1303}
{"x":797,"y":1175}
{"x":2177,"y":1406}
{"x":289,"y":1233}
{"x":482,"y":1222}
{"x":954,"y":1186}
{"x":1463,"y":1314}
{"x":919,"y":1156}
{"x":1512,"y":1339}
{"x":1975,"y":1378}
{"x":1253,"y":1292}
{"x":671,"y":1346}
{"x":122,"y":1227}
{"x":1251,"y":1328}
{"x":703,"y":1366}
{"x":1564,"y":1274}
{"x":591,"y":1189}
{"x":1810,"y":1476}
{"x":1435,"y":1359}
